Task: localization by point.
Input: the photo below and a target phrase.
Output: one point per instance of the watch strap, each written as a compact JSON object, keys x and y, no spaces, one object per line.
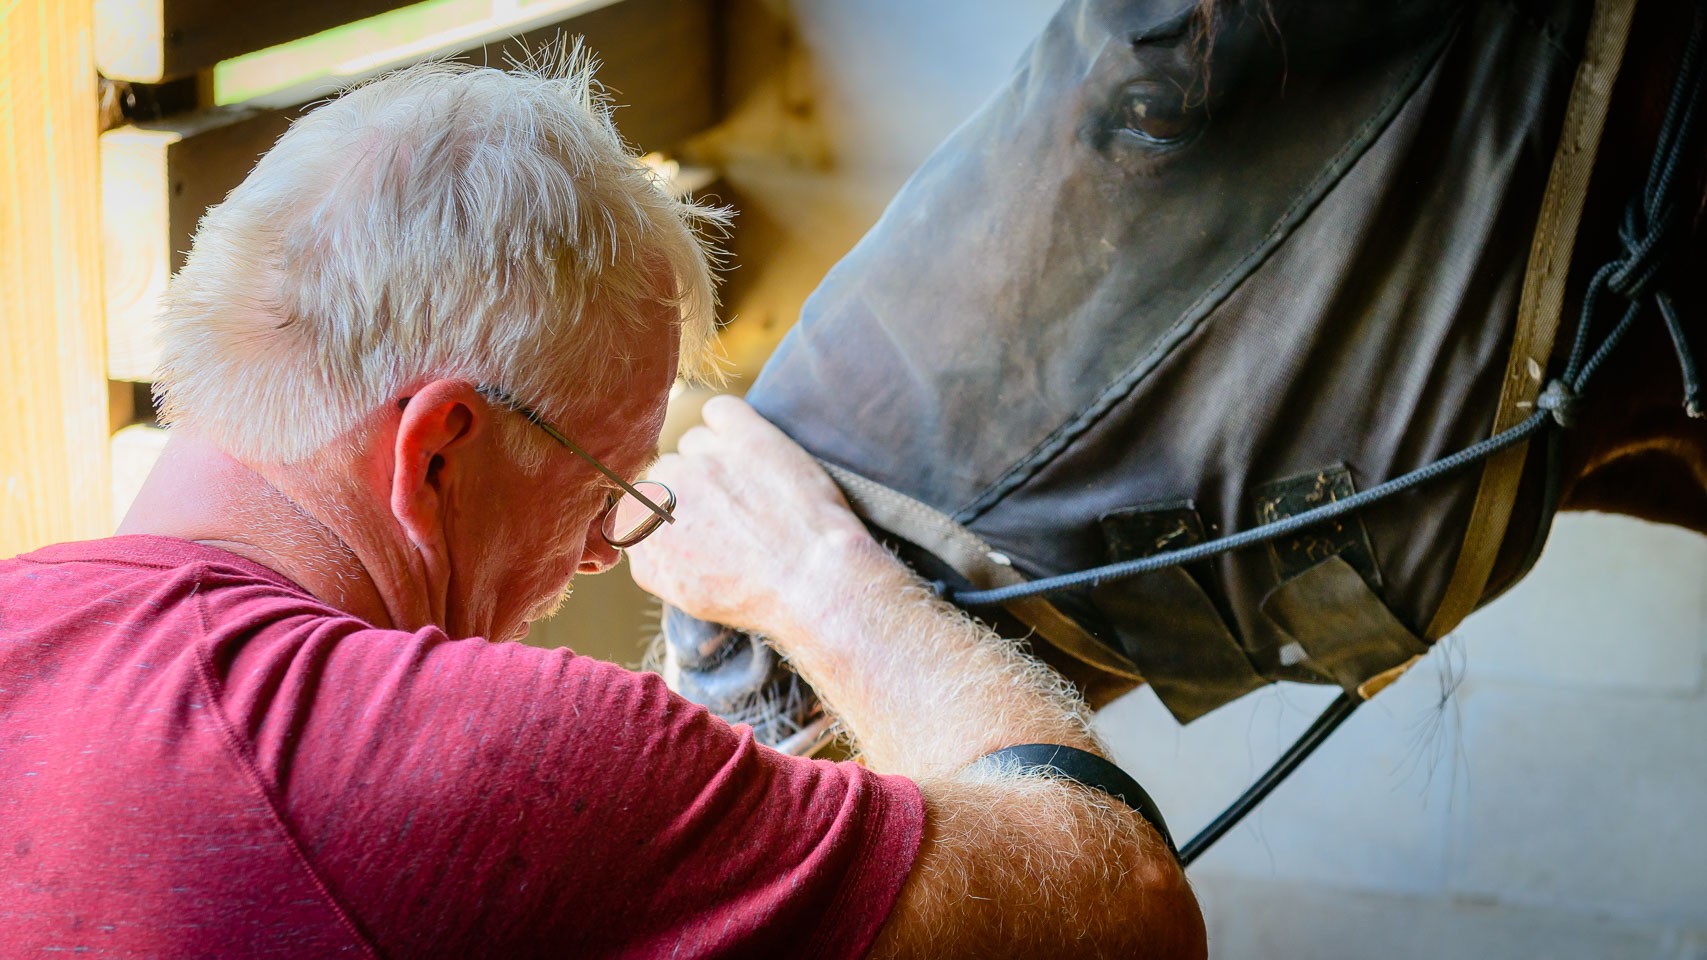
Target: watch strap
{"x":1086,"y":769}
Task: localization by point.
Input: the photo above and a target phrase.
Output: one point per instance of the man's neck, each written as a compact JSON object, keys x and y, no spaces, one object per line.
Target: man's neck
{"x":198,"y":492}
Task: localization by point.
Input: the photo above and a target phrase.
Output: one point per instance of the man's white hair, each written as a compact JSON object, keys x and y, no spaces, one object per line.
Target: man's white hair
{"x":444,"y":221}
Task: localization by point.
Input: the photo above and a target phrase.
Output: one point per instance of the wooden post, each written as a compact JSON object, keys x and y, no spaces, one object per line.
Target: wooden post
{"x":53,"y":388}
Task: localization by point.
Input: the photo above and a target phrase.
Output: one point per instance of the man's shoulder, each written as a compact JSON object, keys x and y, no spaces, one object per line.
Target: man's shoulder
{"x":138,"y":790}
{"x":412,"y":772}
{"x":138,"y":551}
{"x":108,"y":570}
{"x":102,"y":606}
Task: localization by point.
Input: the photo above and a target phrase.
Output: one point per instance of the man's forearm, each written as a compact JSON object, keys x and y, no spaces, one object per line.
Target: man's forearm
{"x":924,"y":688}
{"x":1009,"y":864}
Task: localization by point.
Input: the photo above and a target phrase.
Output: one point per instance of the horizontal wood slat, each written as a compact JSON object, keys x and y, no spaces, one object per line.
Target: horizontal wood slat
{"x":658,"y":62}
{"x":147,"y":41}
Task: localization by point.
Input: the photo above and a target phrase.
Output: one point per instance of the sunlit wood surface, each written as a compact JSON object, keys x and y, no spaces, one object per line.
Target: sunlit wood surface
{"x":152,"y":40}
{"x":53,"y":390}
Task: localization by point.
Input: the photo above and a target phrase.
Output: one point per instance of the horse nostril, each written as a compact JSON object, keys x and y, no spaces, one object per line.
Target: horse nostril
{"x":741,"y":679}
{"x":698,"y":645}
{"x":724,"y":669}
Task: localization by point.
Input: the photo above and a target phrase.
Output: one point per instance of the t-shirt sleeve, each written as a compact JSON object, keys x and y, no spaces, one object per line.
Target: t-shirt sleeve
{"x":462,"y":798}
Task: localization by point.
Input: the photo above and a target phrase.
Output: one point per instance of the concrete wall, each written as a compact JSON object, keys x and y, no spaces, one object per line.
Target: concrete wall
{"x":1535,"y":788}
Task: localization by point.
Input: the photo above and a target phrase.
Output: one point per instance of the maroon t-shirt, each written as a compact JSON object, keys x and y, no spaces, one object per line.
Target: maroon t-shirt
{"x":198,"y":758}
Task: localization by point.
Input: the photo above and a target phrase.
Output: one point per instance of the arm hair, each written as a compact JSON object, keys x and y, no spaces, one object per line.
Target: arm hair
{"x":1011,"y":865}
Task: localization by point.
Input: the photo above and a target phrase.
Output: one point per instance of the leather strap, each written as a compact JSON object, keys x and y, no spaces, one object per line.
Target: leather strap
{"x":1539,"y":307}
{"x":977,"y":561}
{"x":1086,"y":769}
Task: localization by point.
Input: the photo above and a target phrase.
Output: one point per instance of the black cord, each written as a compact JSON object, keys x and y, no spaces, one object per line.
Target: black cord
{"x":1647,"y":223}
{"x":1327,"y":723}
{"x":1268,"y":531}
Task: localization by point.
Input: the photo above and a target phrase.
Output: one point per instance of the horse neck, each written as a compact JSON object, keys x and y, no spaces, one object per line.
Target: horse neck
{"x":1635,"y":451}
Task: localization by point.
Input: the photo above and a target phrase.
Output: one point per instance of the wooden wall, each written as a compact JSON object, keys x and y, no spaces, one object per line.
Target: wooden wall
{"x":96,"y":222}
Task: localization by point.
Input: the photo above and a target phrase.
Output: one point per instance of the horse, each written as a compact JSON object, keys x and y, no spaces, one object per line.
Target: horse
{"x":1205,"y":268}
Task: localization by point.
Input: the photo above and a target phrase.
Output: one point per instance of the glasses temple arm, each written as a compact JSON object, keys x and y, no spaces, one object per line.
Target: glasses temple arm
{"x":554,"y":434}
{"x":624,"y":484}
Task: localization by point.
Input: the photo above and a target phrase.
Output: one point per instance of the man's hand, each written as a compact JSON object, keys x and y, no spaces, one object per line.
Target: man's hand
{"x":1008,"y":866}
{"x":760,"y":528}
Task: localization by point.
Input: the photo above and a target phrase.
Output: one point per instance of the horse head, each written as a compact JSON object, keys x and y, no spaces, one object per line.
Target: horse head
{"x":1194,"y":268}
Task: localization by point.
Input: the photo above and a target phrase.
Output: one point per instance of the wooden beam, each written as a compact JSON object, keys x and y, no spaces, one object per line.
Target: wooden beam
{"x":147,"y":41}
{"x":658,"y":61}
{"x":156,"y":181}
{"x":53,"y":394}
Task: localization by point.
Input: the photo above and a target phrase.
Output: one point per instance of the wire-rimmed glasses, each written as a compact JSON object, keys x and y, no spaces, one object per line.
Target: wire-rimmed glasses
{"x":630,"y":516}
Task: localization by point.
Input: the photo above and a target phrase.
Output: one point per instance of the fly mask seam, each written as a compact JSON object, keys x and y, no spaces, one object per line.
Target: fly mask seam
{"x":1191,"y":319}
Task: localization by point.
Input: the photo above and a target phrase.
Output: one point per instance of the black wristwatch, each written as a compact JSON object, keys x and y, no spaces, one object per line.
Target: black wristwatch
{"x":1087,"y":769}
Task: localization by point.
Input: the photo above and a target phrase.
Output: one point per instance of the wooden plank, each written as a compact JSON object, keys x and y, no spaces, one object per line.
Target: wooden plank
{"x":53,"y":395}
{"x":122,"y":407}
{"x":158,"y":178}
{"x":658,"y":59}
{"x":147,"y":41}
{"x":156,"y":181}
{"x":134,"y":450}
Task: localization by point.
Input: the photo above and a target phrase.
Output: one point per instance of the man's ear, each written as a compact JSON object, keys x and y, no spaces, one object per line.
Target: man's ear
{"x":439,"y":422}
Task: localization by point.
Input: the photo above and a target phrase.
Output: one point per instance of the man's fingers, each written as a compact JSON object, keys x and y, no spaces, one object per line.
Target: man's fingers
{"x":727,"y":412}
{"x":752,"y":501}
{"x":730,"y":416}
{"x":665,"y":468}
{"x":732,"y":429}
{"x":697,"y":442}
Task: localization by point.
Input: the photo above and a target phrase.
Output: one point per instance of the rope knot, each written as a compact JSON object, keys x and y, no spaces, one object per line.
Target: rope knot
{"x":1559,"y":400}
{"x":1641,"y":236}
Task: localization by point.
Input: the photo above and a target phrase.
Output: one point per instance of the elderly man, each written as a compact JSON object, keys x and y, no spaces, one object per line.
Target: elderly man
{"x":414,"y":365}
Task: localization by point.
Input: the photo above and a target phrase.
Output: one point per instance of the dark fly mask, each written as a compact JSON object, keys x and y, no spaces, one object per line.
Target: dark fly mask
{"x":1169,"y":284}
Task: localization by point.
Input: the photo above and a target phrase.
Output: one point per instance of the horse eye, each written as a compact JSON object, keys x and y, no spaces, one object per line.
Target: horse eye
{"x":1158,"y":120}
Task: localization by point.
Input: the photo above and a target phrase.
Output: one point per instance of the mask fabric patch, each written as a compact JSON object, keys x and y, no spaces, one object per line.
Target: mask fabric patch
{"x":1343,"y":537}
{"x":1166,"y":622}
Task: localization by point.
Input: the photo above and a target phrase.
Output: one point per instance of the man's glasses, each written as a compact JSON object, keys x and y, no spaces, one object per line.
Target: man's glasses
{"x":631,"y":515}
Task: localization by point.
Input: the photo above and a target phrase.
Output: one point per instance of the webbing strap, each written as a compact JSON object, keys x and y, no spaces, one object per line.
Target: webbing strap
{"x":1538,"y":309}
{"x":977,"y":561}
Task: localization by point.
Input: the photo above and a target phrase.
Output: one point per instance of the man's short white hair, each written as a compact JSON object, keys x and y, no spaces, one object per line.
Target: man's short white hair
{"x":444,"y":221}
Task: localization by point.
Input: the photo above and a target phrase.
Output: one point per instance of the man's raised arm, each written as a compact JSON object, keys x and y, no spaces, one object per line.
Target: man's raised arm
{"x":1010,"y":865}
